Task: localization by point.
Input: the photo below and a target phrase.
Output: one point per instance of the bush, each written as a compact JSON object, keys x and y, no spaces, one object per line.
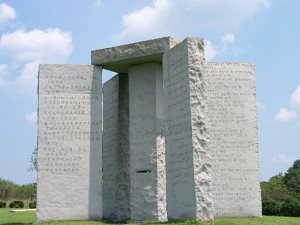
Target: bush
{"x":16,"y":204}
{"x":2,"y":204}
{"x":271,"y":207}
{"x":32,"y":205}
{"x":291,"y":207}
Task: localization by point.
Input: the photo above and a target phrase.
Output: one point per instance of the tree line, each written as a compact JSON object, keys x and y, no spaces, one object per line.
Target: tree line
{"x":281,"y":194}
{"x":10,"y":190}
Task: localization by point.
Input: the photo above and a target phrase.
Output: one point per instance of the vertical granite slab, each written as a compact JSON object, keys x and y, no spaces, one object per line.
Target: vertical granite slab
{"x":69,"y":143}
{"x":110,"y":146}
{"x":160,"y":147}
{"x":233,"y":139}
{"x":187,"y":154}
{"x":123,"y":177}
{"x":116,"y":182}
{"x":147,"y":177}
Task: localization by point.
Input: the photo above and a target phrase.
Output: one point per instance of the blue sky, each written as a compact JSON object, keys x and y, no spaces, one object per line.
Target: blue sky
{"x":266,"y":32}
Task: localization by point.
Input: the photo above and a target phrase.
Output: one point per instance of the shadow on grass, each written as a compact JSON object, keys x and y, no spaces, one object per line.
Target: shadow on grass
{"x":187,"y":222}
{"x":15,"y":223}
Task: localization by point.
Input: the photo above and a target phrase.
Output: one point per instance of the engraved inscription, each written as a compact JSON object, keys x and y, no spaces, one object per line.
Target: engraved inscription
{"x":67,"y":125}
{"x":233,"y":139}
{"x":69,"y":142}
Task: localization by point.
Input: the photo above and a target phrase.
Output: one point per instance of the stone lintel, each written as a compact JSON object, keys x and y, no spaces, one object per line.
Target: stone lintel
{"x":119,"y":58}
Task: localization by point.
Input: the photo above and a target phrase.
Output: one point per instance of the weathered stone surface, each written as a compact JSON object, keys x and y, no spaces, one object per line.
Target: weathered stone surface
{"x":147,"y":163}
{"x":233,"y":139}
{"x":187,"y":154}
{"x":188,"y":133}
{"x":69,"y":136}
{"x":119,"y":58}
{"x":116,"y":180}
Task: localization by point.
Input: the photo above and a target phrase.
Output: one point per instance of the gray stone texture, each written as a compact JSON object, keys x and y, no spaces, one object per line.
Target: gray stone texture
{"x":233,"y":139}
{"x":187,"y":154}
{"x":110,"y":145}
{"x":116,"y":180}
{"x":179,"y":141}
{"x":147,"y":163}
{"x":69,"y":136}
{"x":120,"y":58}
{"x":123,"y":194}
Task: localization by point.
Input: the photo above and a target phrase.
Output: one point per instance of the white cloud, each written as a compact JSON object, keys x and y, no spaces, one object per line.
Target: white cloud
{"x":211,"y":51}
{"x":169,"y":17}
{"x":30,"y":48}
{"x":50,"y":45}
{"x":7,"y":13}
{"x":283,"y":158}
{"x":27,"y":80}
{"x":31,"y":117}
{"x":146,"y":21}
{"x":225,"y":45}
{"x":284,"y":115}
{"x":98,"y":3}
{"x":228,"y":39}
{"x":295,"y":97}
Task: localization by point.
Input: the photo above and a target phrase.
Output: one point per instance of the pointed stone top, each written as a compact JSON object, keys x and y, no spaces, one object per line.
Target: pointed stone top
{"x":120,"y":57}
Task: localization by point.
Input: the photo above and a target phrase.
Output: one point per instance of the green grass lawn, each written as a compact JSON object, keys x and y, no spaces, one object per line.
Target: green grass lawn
{"x":19,"y":218}
{"x":28,"y":218}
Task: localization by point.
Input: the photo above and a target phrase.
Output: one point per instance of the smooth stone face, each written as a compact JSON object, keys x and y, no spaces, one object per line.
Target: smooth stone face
{"x":110,"y":146}
{"x":69,"y":143}
{"x":123,"y":177}
{"x":120,"y":58}
{"x":116,"y":181}
{"x":233,"y":139}
{"x":147,"y":155}
{"x":187,"y":154}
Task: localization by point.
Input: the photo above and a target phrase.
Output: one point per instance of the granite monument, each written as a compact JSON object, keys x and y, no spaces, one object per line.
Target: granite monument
{"x":179,"y":137}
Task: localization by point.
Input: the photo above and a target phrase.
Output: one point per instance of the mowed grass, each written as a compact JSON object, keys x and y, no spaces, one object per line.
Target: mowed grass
{"x":28,"y":218}
{"x":16,"y":218}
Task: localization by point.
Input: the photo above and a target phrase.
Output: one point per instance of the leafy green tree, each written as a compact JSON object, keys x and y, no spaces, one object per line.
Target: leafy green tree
{"x":292,"y":177}
{"x":290,"y":207}
{"x":275,"y":188}
{"x":9,"y":190}
{"x":281,"y":194}
{"x":34,"y":160}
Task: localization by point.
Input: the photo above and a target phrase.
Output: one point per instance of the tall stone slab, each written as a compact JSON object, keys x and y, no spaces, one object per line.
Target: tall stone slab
{"x":110,"y":146}
{"x":69,"y":143}
{"x":233,"y":139}
{"x":116,"y":180}
{"x":147,"y":153}
{"x":187,"y":154}
{"x":142,"y":62}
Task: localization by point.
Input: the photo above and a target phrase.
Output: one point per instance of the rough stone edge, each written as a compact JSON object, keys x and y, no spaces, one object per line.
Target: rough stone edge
{"x":162,"y":214}
{"x":253,"y":65}
{"x":200,"y":134}
{"x":94,"y":160}
{"x":133,"y":50}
